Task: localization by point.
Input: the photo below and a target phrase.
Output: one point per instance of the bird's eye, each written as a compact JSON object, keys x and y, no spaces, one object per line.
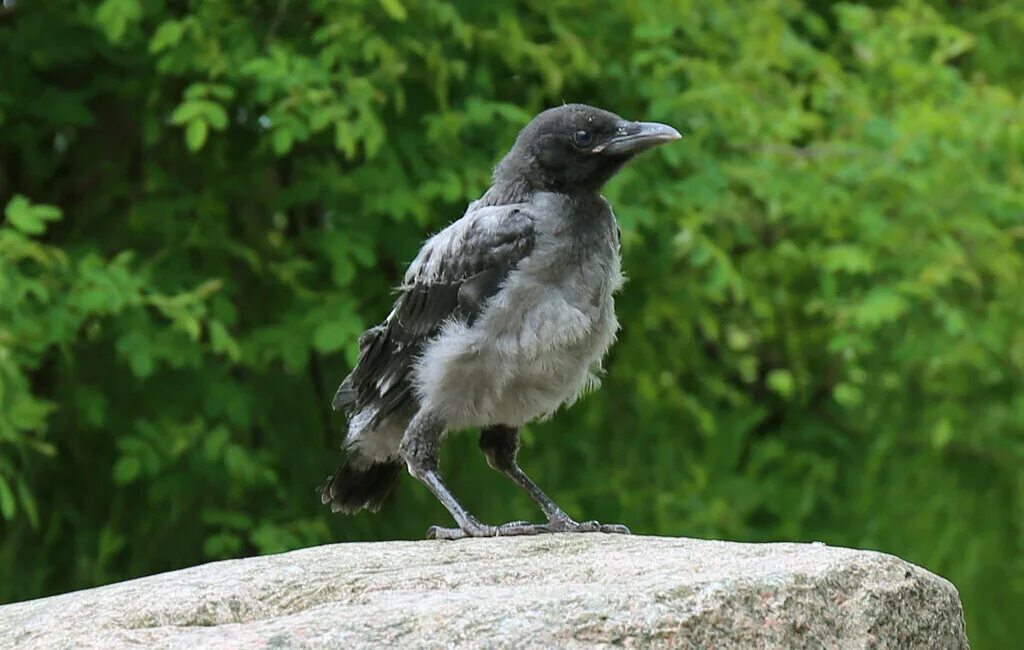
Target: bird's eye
{"x":582,"y":138}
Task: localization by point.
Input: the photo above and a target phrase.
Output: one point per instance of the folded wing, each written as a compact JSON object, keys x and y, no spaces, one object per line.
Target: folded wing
{"x":453,"y":276}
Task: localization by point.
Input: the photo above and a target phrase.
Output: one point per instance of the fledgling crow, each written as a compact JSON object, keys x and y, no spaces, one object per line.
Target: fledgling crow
{"x":503,"y":317}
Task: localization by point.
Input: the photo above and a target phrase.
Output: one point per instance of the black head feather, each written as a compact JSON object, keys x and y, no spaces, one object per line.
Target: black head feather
{"x":576,"y":148}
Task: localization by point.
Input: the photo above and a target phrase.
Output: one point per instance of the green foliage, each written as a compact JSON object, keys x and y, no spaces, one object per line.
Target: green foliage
{"x":204,"y":205}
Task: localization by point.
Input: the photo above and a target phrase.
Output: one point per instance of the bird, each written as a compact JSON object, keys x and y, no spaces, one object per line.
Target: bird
{"x":503,"y":317}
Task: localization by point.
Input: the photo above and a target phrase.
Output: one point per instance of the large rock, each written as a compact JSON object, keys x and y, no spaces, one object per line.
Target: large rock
{"x":550,"y":591}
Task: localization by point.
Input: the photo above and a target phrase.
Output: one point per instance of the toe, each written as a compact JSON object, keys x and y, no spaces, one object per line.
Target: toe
{"x":617,"y":529}
{"x":515,"y":523}
{"x":521,"y":528}
{"x":436,"y":532}
{"x":561,"y":526}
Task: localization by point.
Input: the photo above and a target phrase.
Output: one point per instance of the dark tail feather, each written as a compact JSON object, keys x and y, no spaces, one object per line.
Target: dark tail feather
{"x":360,"y":483}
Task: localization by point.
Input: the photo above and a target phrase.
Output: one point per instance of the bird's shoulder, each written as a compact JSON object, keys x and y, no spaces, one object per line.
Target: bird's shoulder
{"x":486,"y":236}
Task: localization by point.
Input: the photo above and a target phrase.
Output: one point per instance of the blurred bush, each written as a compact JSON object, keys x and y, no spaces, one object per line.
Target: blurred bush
{"x":206,"y":202}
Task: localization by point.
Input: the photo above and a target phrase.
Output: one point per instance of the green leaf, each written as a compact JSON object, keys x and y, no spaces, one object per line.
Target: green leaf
{"x":30,"y":219}
{"x":343,"y":271}
{"x":781,"y":381}
{"x":115,"y":16}
{"x":395,"y":9}
{"x":201,"y":110}
{"x":281,"y":140}
{"x":331,"y":336}
{"x":222,"y":92}
{"x":738,"y":339}
{"x":8,"y":506}
{"x":138,"y":349}
{"x":167,"y":35}
{"x":942,"y":433}
{"x":344,"y":139}
{"x":851,"y":259}
{"x":882,"y":305}
{"x":28,"y":503}
{"x":188,"y":111}
{"x":222,"y":341}
{"x":217,"y":117}
{"x":126,"y":470}
{"x":26,"y":412}
{"x":847,"y":395}
{"x":195,"y":135}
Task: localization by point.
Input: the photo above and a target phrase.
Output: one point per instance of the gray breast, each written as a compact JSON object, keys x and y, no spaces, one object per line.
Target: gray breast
{"x":540,"y":341}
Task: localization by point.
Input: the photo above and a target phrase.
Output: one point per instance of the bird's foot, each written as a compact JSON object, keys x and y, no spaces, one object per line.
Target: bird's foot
{"x":513,"y":528}
{"x":568,"y":525}
{"x":517,"y":528}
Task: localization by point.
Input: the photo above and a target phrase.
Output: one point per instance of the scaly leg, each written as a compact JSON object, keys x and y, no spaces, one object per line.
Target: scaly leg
{"x":500,"y":445}
{"x":419,"y":449}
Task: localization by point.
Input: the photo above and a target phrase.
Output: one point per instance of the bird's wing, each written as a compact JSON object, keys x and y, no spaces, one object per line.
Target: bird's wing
{"x":453,"y":276}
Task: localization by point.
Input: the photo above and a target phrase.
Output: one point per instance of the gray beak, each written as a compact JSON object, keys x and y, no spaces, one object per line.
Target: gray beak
{"x":634,"y":137}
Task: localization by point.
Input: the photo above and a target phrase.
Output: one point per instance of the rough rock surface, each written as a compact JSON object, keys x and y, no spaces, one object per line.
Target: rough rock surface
{"x":549,"y":591}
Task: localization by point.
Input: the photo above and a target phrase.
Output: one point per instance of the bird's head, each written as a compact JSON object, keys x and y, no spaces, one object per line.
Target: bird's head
{"x":577,"y":147}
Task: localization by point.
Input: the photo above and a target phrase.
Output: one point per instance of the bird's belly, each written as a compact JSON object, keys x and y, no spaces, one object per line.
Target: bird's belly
{"x":532,"y":351}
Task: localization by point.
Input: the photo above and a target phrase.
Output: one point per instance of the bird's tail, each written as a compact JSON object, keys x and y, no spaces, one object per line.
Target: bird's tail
{"x":360,"y":483}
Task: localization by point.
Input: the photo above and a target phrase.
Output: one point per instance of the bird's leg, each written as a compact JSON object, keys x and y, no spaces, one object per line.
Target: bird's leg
{"x":500,"y":445}
{"x":419,"y":449}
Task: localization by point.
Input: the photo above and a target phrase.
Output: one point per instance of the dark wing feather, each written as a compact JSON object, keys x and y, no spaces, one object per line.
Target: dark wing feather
{"x":454,"y":275}
{"x":475,"y":291}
